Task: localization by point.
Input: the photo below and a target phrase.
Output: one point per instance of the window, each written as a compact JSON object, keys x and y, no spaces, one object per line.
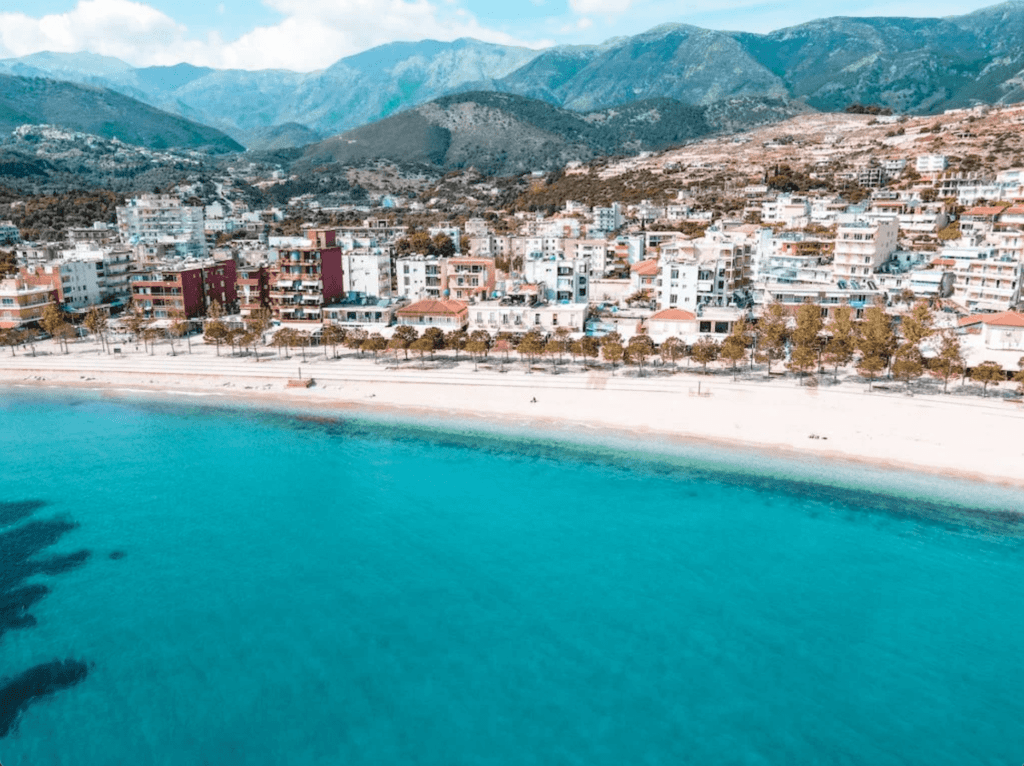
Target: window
{"x":705,"y":327}
{"x":721,"y":327}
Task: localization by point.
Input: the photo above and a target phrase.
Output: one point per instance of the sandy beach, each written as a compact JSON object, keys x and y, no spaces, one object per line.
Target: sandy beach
{"x":960,"y":435}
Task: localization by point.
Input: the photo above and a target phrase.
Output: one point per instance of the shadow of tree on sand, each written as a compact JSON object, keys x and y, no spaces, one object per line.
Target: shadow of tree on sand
{"x":20,"y":547}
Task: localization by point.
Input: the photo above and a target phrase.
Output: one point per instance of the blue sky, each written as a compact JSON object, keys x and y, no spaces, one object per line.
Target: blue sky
{"x":311,"y":34}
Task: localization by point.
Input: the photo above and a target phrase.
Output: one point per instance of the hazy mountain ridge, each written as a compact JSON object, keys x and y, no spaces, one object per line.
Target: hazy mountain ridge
{"x":910,"y":65}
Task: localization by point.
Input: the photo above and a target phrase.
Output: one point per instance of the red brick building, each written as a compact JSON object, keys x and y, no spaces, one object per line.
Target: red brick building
{"x":185,"y":288}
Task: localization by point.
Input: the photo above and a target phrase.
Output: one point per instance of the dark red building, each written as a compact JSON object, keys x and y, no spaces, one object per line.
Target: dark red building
{"x":308,"y":278}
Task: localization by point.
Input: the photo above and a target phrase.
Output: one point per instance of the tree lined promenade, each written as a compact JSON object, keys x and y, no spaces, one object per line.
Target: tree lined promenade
{"x":801,"y":348}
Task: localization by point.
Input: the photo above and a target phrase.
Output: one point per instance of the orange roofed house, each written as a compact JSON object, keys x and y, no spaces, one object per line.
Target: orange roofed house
{"x":1000,"y":332}
{"x":446,"y":314}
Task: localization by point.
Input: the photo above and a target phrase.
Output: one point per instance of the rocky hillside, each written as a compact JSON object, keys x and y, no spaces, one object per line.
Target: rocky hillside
{"x":102,"y":112}
{"x":692,"y":65}
{"x":501,"y":134}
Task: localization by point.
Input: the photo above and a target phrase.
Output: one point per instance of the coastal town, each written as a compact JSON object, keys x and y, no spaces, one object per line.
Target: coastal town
{"x":911,"y":272}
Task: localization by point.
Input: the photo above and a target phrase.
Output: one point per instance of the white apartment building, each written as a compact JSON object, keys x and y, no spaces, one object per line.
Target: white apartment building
{"x":676,"y":285}
{"x":607,"y":219}
{"x":366,"y":273}
{"x":786,"y":209}
{"x":490,"y":246}
{"x":476,"y":227}
{"x":419,"y":276}
{"x":543,"y":247}
{"x":599,"y":252}
{"x":862,"y":246}
{"x":564,"y":280}
{"x":984,"y":281}
{"x":931,"y":163}
{"x":160,"y":219}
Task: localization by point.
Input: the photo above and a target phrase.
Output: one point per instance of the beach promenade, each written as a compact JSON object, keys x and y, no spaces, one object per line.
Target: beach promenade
{"x":961,"y":434}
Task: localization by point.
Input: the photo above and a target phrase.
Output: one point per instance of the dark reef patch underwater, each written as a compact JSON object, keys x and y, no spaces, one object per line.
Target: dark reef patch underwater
{"x":20,"y":547}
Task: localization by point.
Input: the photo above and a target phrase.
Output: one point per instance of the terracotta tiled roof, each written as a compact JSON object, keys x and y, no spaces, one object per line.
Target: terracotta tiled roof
{"x":943,"y":262}
{"x":673,"y":315}
{"x":1015,"y":210}
{"x":984,"y":211}
{"x":648,"y":268}
{"x":432,"y":306}
{"x":1003,"y":319}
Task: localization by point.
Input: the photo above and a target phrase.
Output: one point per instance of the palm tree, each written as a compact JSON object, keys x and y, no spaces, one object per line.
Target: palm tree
{"x":303,"y":338}
{"x":282,"y":339}
{"x":136,"y":320}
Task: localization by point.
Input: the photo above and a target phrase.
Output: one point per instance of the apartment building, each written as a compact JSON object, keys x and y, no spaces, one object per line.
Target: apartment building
{"x":862,"y":246}
{"x":419,"y":276}
{"x":160,"y":219}
{"x":309,"y":277}
{"x":676,"y":285}
{"x":22,"y":304}
{"x":366,"y":272}
{"x":523,"y":309}
{"x":252,"y":287}
{"x":186,"y":288}
{"x":983,"y":280}
{"x":469,"y":279}
{"x":564,"y":280}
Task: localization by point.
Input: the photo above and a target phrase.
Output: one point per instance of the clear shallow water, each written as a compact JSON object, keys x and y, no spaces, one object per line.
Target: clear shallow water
{"x":307,"y":591}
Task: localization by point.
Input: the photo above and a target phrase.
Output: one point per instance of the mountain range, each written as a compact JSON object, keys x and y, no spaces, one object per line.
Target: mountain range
{"x":908,"y":65}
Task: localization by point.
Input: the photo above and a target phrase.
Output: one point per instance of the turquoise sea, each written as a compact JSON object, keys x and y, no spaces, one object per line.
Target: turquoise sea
{"x":193,"y":584}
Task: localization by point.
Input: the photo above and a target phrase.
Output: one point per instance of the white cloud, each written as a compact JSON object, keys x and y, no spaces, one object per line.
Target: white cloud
{"x":600,"y":7}
{"x":313,"y":33}
{"x":110,"y":27}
